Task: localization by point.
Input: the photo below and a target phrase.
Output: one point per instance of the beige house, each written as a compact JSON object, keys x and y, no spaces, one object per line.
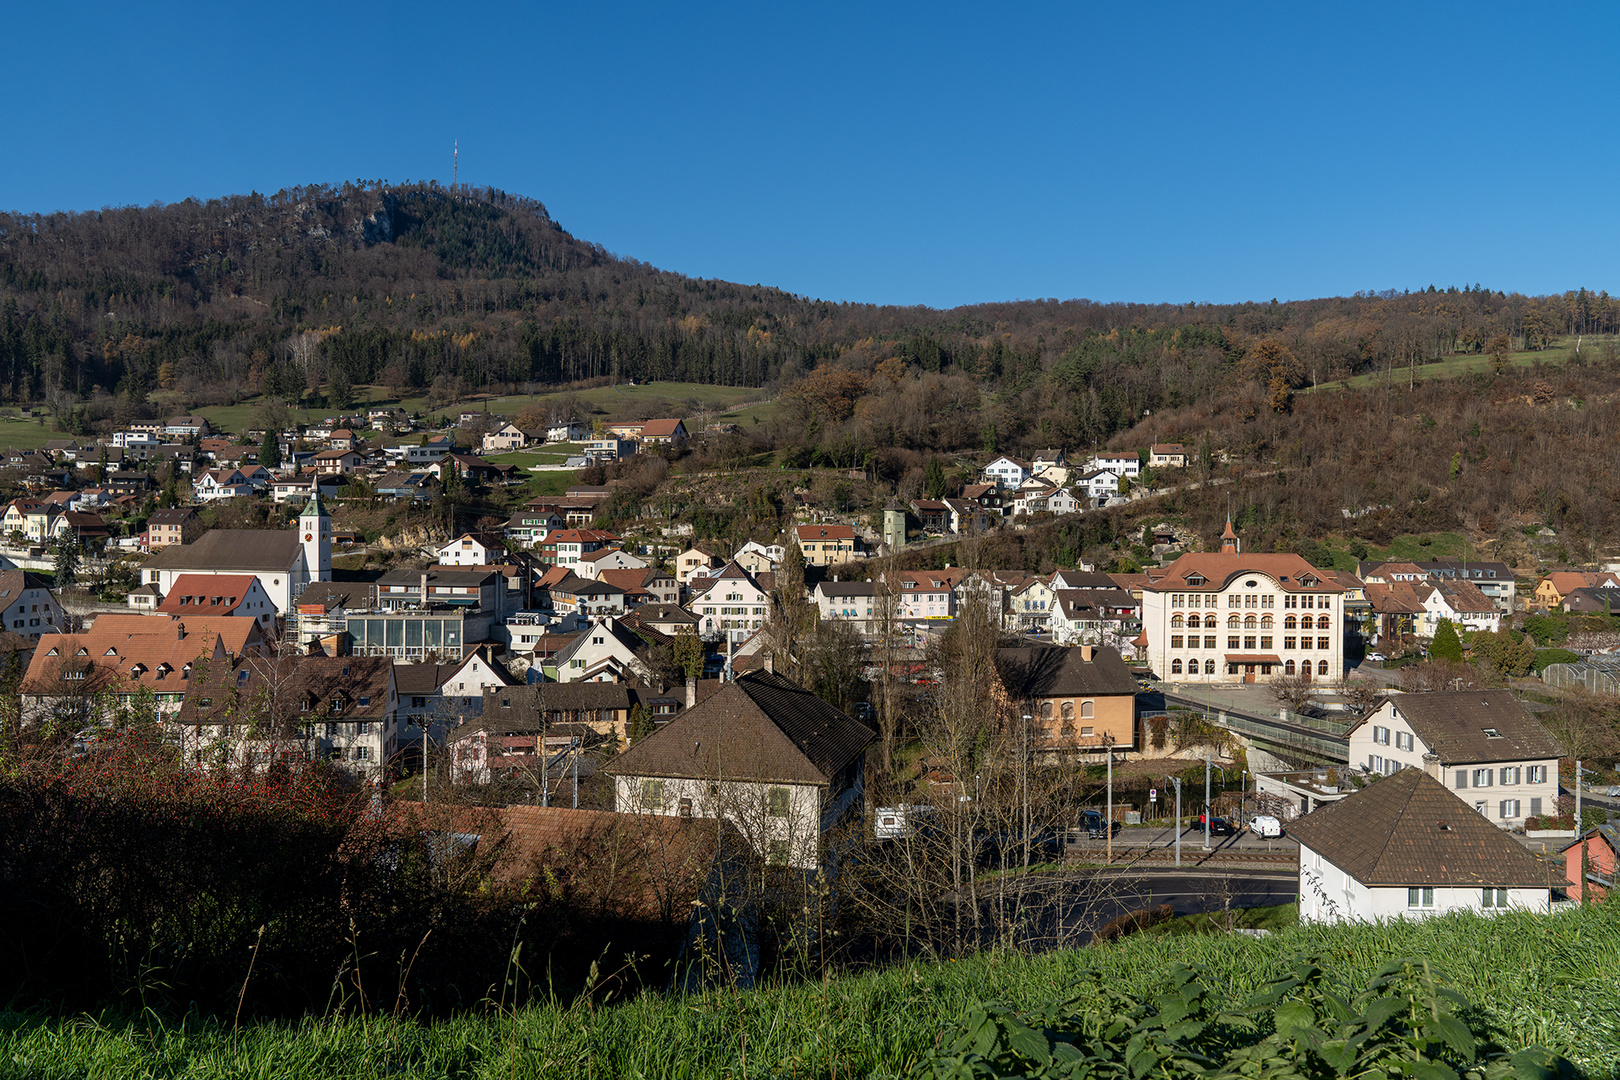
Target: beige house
{"x":827,"y":545}
{"x":1080,"y":698}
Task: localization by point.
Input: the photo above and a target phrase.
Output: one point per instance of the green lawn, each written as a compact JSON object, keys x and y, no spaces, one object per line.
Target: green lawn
{"x":18,"y":434}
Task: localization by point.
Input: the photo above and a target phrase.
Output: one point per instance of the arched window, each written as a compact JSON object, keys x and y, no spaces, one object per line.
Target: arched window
{"x":1322,"y":623}
{"x":1250,"y":623}
{"x":1265,"y":622}
{"x":1177,"y":622}
{"x":1068,"y":710}
{"x":1290,"y":623}
{"x":1288,"y":668}
{"x":1194,"y":622}
{"x":1088,"y":710}
{"x":1046,"y":710}
{"x":1175,"y":666}
{"x":1233,"y":622}
{"x":1321,"y":669}
{"x":1209,"y":667}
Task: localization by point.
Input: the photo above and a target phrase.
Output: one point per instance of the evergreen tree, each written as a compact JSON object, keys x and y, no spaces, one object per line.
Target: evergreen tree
{"x":339,"y":390}
{"x":990,"y":439}
{"x":934,"y":479}
{"x":640,"y":725}
{"x":66,"y":551}
{"x":270,"y":450}
{"x":1446,"y":644}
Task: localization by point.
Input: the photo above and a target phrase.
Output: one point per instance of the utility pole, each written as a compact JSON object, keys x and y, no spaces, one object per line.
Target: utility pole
{"x":1108,"y":822}
{"x":1578,"y":801}
{"x":1206,"y":802}
{"x":1177,"y":781}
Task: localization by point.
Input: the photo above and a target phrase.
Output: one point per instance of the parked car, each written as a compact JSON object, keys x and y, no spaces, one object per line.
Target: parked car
{"x":1092,"y":822}
{"x":1265,"y":825}
{"x":1218,"y":826}
{"x":1614,"y":791}
{"x":1376,"y":656}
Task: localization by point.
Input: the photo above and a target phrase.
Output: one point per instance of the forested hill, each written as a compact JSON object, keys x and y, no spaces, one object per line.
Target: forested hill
{"x":412,"y":286}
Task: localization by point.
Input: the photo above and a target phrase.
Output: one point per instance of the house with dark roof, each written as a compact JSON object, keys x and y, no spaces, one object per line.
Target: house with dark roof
{"x":252,"y":710}
{"x":1484,"y":744}
{"x":778,"y":762}
{"x":519,"y":728}
{"x":1080,"y":698}
{"x":604,"y":651}
{"x":437,"y":697}
{"x":28,"y":608}
{"x":1404,"y":847}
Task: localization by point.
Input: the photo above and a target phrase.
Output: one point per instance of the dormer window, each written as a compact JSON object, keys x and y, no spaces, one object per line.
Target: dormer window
{"x":1492,"y":733}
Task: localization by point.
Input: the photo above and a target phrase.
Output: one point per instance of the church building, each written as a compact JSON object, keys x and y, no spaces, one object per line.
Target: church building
{"x":285,"y":561}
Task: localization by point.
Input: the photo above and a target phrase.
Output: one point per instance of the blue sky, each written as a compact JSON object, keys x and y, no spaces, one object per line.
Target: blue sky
{"x":938,"y":154}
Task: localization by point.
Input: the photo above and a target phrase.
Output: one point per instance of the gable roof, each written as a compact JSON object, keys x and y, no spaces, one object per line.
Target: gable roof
{"x":232,"y":549}
{"x":1453,"y":723}
{"x":1043,"y":671}
{"x":1213,"y":570}
{"x":824,"y":532}
{"x":339,"y":687}
{"x":660,"y":429}
{"x":213,"y":594}
{"x":759,"y":728}
{"x":1407,"y":829}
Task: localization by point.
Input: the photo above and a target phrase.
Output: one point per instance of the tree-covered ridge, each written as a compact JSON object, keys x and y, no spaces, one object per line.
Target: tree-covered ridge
{"x":415,"y":285}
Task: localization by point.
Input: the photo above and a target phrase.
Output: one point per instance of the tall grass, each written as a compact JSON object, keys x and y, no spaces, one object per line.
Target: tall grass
{"x":1547,"y":980}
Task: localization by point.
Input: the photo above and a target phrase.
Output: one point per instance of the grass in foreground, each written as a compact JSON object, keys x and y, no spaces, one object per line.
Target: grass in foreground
{"x":1546,"y":980}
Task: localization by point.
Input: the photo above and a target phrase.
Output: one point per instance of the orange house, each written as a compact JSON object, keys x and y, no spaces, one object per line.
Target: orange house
{"x":1081,"y":698}
{"x":1589,"y":862}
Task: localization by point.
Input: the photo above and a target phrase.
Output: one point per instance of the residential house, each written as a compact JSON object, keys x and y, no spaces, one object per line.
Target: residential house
{"x":927,"y":594}
{"x":430,"y":452}
{"x":778,"y":762}
{"x":608,"y":449}
{"x":584,"y":597}
{"x":968,"y":518}
{"x":319,"y":621}
{"x":827,"y":545}
{"x":28,"y":608}
{"x":253,"y":710}
{"x":1598,"y":601}
{"x":403,"y":484}
{"x":566,"y":547}
{"x":1494,"y":579}
{"x":593,"y":564}
{"x":988,"y":496}
{"x":1081,"y":698}
{"x":934,"y":515}
{"x":606,"y":651}
{"x":731,"y":603}
{"x":568,"y":432}
{"x":1551,"y":590}
{"x":642,"y":586}
{"x":758,"y":558}
{"x":1030,"y":605}
{"x":436,"y":698}
{"x":1097,"y":485}
{"x":1095,"y":617}
{"x":1589,"y":862}
{"x":1483,"y":743}
{"x":1171,"y":455}
{"x":170,"y":528}
{"x":1127,"y":465}
{"x":857,"y":603}
{"x":531,"y":526}
{"x":668,"y":619}
{"x":336,"y":462}
{"x":1256,"y":617}
{"x":129,"y":482}
{"x":506,"y":438}
{"x":694,"y":559}
{"x":1406,"y":848}
{"x":240,"y":595}
{"x":519,"y":727}
{"x":217,"y":484}
{"x":343,"y":439}
{"x":473,"y":549}
{"x":1007,"y":473}
{"x":1046,"y":459}
{"x":187,"y":427}
{"x":87,"y":678}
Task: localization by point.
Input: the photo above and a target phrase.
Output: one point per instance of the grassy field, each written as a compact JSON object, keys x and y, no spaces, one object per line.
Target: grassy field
{"x":1540,"y":980}
{"x":1561,"y":351}
{"x":18,"y":434}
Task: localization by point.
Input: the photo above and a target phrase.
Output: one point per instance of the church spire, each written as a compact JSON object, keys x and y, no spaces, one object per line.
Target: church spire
{"x":1229,"y":539}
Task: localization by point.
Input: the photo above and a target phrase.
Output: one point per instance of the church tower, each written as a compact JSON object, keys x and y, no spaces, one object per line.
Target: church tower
{"x":1229,"y":540}
{"x":315,"y":532}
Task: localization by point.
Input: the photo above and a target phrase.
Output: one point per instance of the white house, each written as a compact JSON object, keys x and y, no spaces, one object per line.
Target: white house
{"x":508,"y":437}
{"x":1486,"y":746}
{"x":1006,"y":472}
{"x":730,"y":603}
{"x":854,"y":602}
{"x":1097,"y":484}
{"x":27,"y":606}
{"x":1406,"y":848}
{"x":569,"y":432}
{"x":472,"y":549}
{"x":778,"y":762}
{"x":1119,"y":464}
{"x":592,"y":563}
{"x":602,"y":644}
{"x":1234,"y":617}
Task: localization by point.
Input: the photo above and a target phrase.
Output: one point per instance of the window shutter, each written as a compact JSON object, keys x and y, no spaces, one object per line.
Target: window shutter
{"x":1462,"y":779}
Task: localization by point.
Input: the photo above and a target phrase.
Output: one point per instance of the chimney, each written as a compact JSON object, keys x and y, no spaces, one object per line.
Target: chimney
{"x":770,"y":662}
{"x":1431,"y":765}
{"x":691,"y":691}
{"x":1085,"y":653}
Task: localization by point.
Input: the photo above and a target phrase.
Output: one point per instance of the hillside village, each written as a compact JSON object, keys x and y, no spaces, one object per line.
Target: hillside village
{"x":202,"y":582}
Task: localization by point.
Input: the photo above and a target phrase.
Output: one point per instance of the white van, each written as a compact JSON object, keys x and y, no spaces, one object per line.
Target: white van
{"x":1265,"y":825}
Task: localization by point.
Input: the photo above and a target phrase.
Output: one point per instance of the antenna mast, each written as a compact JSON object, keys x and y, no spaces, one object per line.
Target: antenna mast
{"x":455,"y":164}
